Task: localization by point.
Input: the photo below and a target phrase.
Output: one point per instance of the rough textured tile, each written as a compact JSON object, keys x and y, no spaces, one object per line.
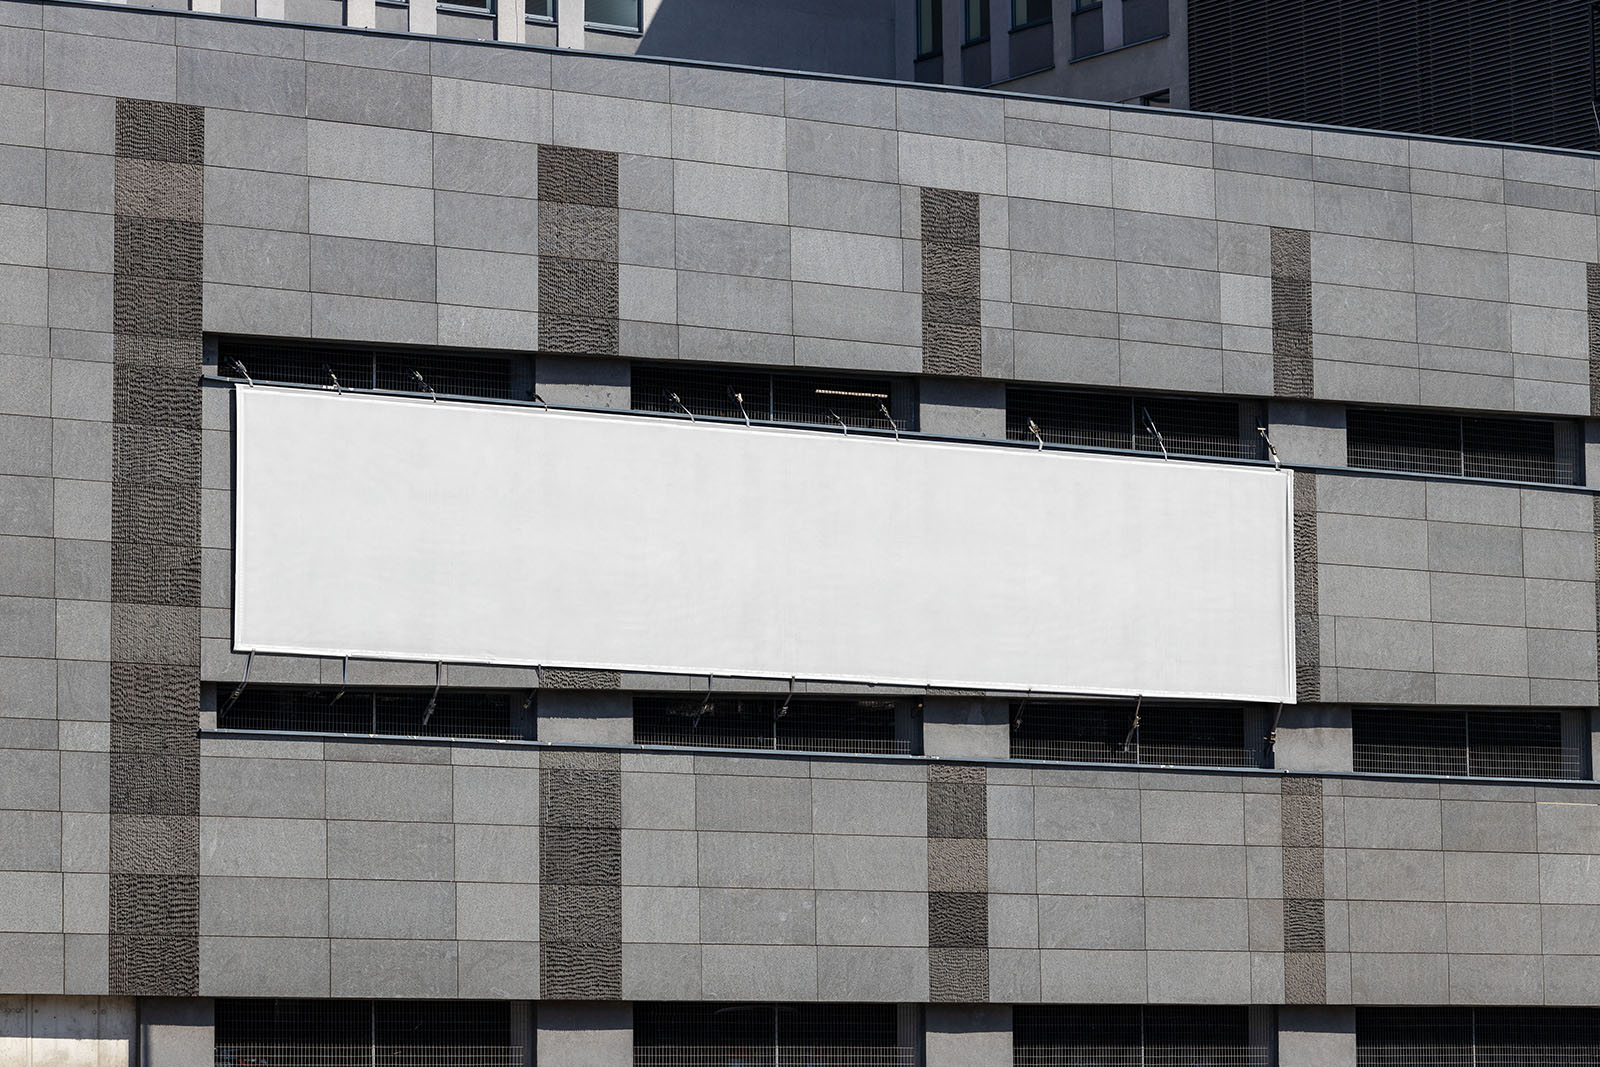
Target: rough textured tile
{"x":957,"y":809}
{"x":572,"y":678}
{"x":1292,"y":368}
{"x":958,"y":920}
{"x":1308,"y":666}
{"x":577,"y":176}
{"x":1304,"y":926}
{"x":958,"y":975}
{"x":151,"y":129}
{"x":1592,"y":277}
{"x":1305,"y":978}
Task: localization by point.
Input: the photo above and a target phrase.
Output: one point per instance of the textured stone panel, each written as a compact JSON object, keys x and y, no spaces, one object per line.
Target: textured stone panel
{"x":145,"y":633}
{"x":1304,"y":926}
{"x":156,"y":783}
{"x":152,"y":129}
{"x":957,"y":809}
{"x":950,"y":215}
{"x":158,"y":190}
{"x":578,"y":335}
{"x":581,"y":798}
{"x":1592,"y":276}
{"x":142,"y":965}
{"x":156,"y":905}
{"x":574,"y":678}
{"x":155,"y":514}
{"x":157,"y":248}
{"x":155,"y":844}
{"x":161,"y":307}
{"x":570,"y":970}
{"x":152,"y":694}
{"x":578,"y":231}
{"x":580,"y":760}
{"x":155,"y":455}
{"x":951,"y":269}
{"x":580,"y":856}
{"x":1302,"y":821}
{"x":958,"y":975}
{"x":958,"y":772}
{"x":150,"y":394}
{"x":1305,"y":978}
{"x":1302,"y":873}
{"x":582,"y":913}
{"x":1293,"y":371}
{"x":585,"y":287}
{"x":958,"y":920}
{"x":1308,"y":672}
{"x":944,"y":307}
{"x":958,"y":865}
{"x":577,"y":176}
{"x":156,"y":574}
{"x":139,"y":731}
{"x":951,"y":349}
{"x":179,"y":356}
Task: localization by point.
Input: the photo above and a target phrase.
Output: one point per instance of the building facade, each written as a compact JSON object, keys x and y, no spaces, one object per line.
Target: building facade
{"x":214,"y":854}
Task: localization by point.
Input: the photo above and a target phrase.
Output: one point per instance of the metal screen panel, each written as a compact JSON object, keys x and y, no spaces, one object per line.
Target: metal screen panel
{"x":803,"y":724}
{"x":364,"y":367}
{"x":1130,"y":1036}
{"x":1428,"y":442}
{"x":765,"y":396}
{"x":459,"y":713}
{"x":769,"y":1035}
{"x":1477,"y":1037}
{"x":1162,"y":734}
{"x":1463,"y":743}
{"x":1190,"y":426}
{"x":361,"y":1033}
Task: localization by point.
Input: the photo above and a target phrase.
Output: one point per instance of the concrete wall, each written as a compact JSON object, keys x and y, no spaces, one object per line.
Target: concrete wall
{"x":775,"y":221}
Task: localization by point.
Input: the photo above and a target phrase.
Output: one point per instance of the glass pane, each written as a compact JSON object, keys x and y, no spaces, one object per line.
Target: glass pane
{"x":930,"y":22}
{"x":977,"y":19}
{"x":541,"y":9}
{"x":624,"y":13}
{"x":1026,"y":11}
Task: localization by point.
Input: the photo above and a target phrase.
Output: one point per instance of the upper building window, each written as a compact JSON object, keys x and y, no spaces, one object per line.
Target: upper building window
{"x":1194,"y":426}
{"x":1029,"y":12}
{"x":1455,"y":742}
{"x":540,"y":10}
{"x":765,"y":396}
{"x":482,"y":7}
{"x":395,"y":370}
{"x":976,"y":19}
{"x":1166,"y":734}
{"x":1470,"y":446}
{"x":613,"y":15}
{"x":449,"y":713}
{"x":799,"y":724}
{"x":1116,"y":1034}
{"x":930,"y":27}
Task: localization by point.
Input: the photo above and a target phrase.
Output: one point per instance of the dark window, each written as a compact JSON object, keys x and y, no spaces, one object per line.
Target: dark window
{"x":480,"y":6}
{"x":976,"y":19}
{"x":1084,"y":5}
{"x":1029,"y":12}
{"x":1131,"y":1036}
{"x":765,"y":396}
{"x":1160,"y":734}
{"x":401,"y":370}
{"x":456,"y":713}
{"x":358,"y":1033}
{"x":1471,"y":446}
{"x":1143,"y":20}
{"x":770,"y":1035}
{"x":930,"y":27}
{"x":1460,"y":743}
{"x":801,"y":724}
{"x":1159,"y":98}
{"x":1477,"y":1037}
{"x":541,"y":10}
{"x":1188,"y":425}
{"x":612,"y":14}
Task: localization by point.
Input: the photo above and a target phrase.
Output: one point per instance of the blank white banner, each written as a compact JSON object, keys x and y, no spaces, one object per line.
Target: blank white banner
{"x":403,"y":529}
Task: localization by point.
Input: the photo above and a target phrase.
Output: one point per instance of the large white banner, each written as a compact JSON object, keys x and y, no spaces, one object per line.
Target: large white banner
{"x":405,"y":529}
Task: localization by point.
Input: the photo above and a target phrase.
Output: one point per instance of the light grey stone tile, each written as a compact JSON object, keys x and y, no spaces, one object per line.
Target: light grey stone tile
{"x":264,"y":966}
{"x":418,"y":793}
{"x":492,"y":109}
{"x":671,"y":915}
{"x":498,"y":969}
{"x":237,"y":82}
{"x":1085,"y":976}
{"x":261,"y":788}
{"x":264,"y":907}
{"x":894,"y":864}
{"x":757,"y":916}
{"x":392,"y":850}
{"x":1384,"y":977}
{"x":1199,"y":977}
{"x":371,"y":211}
{"x":1394,"y":874}
{"x":351,"y":267}
{"x":1192,"y":818}
{"x":765,"y":972}
{"x":409,"y":910}
{"x":495,"y":912}
{"x":1092,"y":922}
{"x":661,"y":972}
{"x":776,"y":861}
{"x":496,"y":853}
{"x":394,"y":968}
{"x":1099,"y":868}
{"x":263,"y":848}
{"x":875,"y":974}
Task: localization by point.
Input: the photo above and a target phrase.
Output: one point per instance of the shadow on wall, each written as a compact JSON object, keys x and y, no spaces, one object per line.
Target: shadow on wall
{"x":830,"y":36}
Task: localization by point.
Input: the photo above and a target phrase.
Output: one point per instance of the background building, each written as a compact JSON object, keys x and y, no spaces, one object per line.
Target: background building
{"x":598,"y":864}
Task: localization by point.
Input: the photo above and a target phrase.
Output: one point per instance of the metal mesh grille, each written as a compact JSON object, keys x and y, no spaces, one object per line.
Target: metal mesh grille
{"x":362,"y":367}
{"x":1191,"y":426}
{"x":466,"y":713}
{"x":1460,"y":743}
{"x":359,"y":1033}
{"x":1113,"y":1036}
{"x":1169,"y":735}
{"x":769,"y":1035}
{"x":1471,"y":446}
{"x":1477,"y":1037}
{"x":809,"y":724}
{"x":821,"y":400}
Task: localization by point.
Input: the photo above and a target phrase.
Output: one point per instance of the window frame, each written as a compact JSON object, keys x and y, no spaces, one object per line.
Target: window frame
{"x":637,"y":29}
{"x":967,"y":36}
{"x":1049,"y":17}
{"x":544,"y":20}
{"x":488,"y":10}
{"x":935,"y":11}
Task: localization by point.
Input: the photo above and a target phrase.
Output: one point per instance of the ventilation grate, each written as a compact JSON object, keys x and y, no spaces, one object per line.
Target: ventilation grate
{"x":457,"y":713}
{"x":771,"y":1035}
{"x":1461,"y":743}
{"x":359,"y":1033}
{"x":1168,"y":735}
{"x":1131,"y":1036}
{"x":808,"y":724}
{"x":1470,"y":446}
{"x":471,"y":374}
{"x":1188,"y":425}
{"x":809,"y":399}
{"x":1477,"y":1037}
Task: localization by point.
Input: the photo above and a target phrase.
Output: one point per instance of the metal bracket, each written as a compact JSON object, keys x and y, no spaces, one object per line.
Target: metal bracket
{"x":884,"y":411}
{"x":251,"y":382}
{"x":336,"y":386}
{"x":1133,"y":727}
{"x":433,"y":701}
{"x":1150,"y":424}
{"x":424,"y":382}
{"x":678,"y":400}
{"x":1033,"y":428}
{"x":249,"y":660}
{"x":344,"y":682}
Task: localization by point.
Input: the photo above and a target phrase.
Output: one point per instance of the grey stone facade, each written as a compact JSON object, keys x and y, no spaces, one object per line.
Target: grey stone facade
{"x":597,"y":210}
